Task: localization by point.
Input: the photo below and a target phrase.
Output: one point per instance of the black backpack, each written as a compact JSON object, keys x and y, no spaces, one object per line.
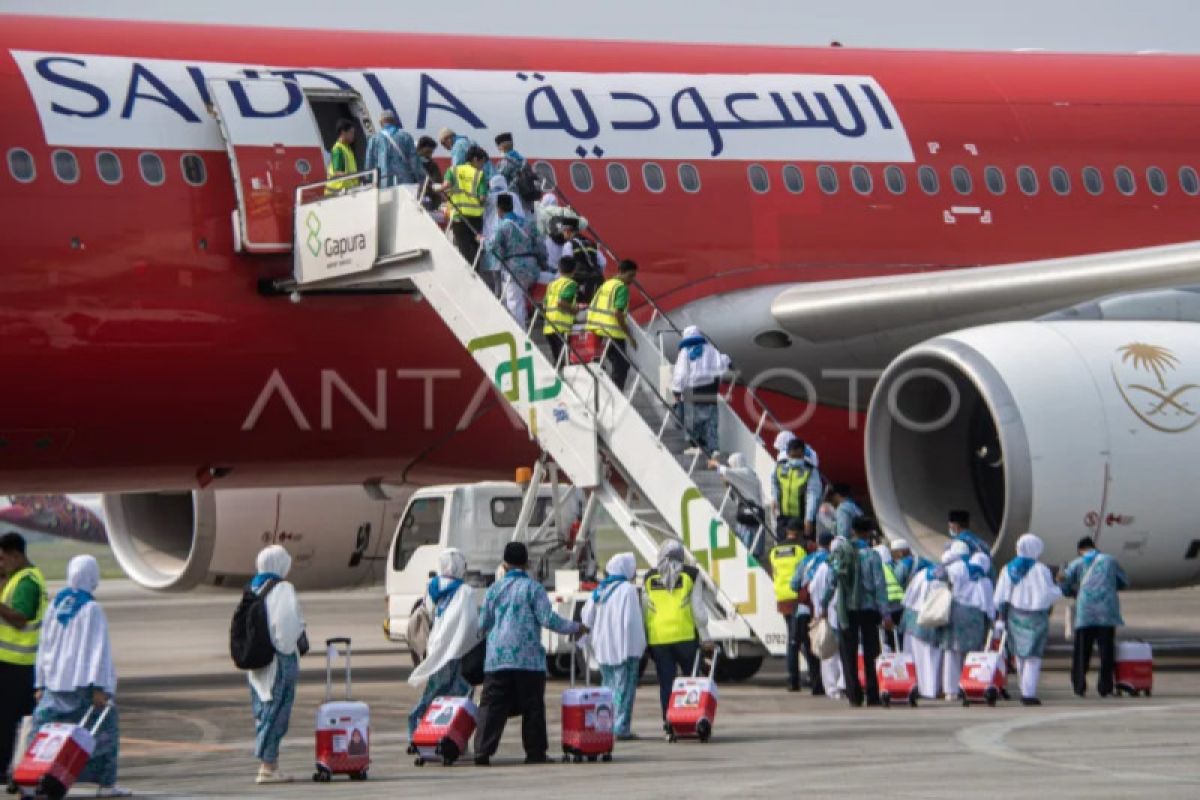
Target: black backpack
{"x":525,"y":184}
{"x":250,"y":633}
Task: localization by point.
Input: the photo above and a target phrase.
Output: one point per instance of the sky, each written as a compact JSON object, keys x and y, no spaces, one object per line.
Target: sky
{"x":1075,"y":25}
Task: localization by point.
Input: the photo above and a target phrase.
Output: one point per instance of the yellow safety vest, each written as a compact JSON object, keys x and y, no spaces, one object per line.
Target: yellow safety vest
{"x":791,"y":489}
{"x":557,"y":320}
{"x":465,"y":201}
{"x":784,"y":559}
{"x":19,"y":646}
{"x":669,"y":618}
{"x":895,"y":590}
{"x":351,"y":167}
{"x":602,"y":313}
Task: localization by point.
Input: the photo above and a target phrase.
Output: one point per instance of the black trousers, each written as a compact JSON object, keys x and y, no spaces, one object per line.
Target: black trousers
{"x":862,"y":627}
{"x":464,"y":238}
{"x":667,"y":658}
{"x":556,"y":346}
{"x":617,"y":361}
{"x":1105,"y":639}
{"x":799,"y":634}
{"x":513,"y":691}
{"x":16,"y":702}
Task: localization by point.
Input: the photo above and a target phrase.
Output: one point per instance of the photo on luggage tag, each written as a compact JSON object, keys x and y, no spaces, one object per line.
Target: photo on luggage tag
{"x":358,"y":743}
{"x":444,"y":717}
{"x":599,"y":719}
{"x":690,"y":698}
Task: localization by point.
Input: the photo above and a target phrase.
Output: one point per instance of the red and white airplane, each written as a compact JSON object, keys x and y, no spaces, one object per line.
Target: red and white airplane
{"x":816,"y":211}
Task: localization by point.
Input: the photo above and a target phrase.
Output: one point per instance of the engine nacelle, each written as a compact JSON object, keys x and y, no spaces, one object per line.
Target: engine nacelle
{"x":1066,"y":429}
{"x":338,"y":536}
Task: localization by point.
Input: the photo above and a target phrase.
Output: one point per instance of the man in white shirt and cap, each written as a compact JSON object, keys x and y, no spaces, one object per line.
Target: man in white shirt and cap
{"x":696,"y":383}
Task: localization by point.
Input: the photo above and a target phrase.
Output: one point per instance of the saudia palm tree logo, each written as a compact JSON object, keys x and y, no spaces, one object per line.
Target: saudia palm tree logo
{"x":1159,"y":402}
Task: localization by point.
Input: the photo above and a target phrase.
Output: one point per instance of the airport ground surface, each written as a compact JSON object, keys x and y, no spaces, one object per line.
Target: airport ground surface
{"x":187,"y":733}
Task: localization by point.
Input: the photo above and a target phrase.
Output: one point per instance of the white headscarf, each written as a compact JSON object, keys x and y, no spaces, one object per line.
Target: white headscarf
{"x":959,"y":549}
{"x":899,"y":544}
{"x":456,"y":629}
{"x":617,"y":628}
{"x":703,"y":370}
{"x":782,"y":440}
{"x":670,"y":562}
{"x":76,"y":653}
{"x":981,"y":593}
{"x":283,"y":615}
{"x":1037,"y":590}
{"x":497,"y":186}
{"x":742,"y":478}
{"x":885,"y":552}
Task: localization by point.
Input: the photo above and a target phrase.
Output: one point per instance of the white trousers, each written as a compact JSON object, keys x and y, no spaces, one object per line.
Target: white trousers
{"x":514,"y":300}
{"x":832,"y":678}
{"x":928,"y":660}
{"x":1030,"y":670}
{"x":952,"y":662}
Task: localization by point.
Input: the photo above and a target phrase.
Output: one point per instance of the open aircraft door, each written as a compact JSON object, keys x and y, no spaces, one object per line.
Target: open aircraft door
{"x":274,"y":146}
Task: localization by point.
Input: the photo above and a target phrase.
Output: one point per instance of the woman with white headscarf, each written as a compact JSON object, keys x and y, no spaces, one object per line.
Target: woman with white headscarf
{"x":273,"y":688}
{"x":490,"y":267}
{"x":1025,"y":594}
{"x":455,"y":631}
{"x":673,"y":607}
{"x":613,"y":615}
{"x":968,"y":625}
{"x":696,"y":383}
{"x":923,"y":644}
{"x":750,"y":513}
{"x":75,"y":671}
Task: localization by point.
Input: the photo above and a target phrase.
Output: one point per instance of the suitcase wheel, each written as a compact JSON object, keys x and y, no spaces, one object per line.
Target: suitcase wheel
{"x":322,"y":775}
{"x":963,"y":697}
{"x":912,"y":698}
{"x":990,"y":696}
{"x":607,"y":757}
{"x":592,"y":759}
{"x":11,"y":788}
{"x":418,"y":762}
{"x":703,"y":730}
{"x":886,"y":699}
{"x":1147,"y":693}
{"x":412,"y":750}
{"x":358,"y":776}
{"x":577,"y":758}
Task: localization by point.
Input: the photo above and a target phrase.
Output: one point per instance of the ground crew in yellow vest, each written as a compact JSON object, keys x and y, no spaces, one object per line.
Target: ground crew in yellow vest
{"x":784,"y":558}
{"x":796,"y":491}
{"x":342,"y":160}
{"x":22,"y":606}
{"x":895,"y":592}
{"x":676,"y":621}
{"x":606,"y":318}
{"x":559,"y":307}
{"x":467,"y":191}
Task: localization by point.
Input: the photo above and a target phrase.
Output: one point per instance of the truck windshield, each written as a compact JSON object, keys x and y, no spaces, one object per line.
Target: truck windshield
{"x":422,"y":525}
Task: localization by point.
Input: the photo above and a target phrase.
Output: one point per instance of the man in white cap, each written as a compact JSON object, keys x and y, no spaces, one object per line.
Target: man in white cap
{"x":459,"y":147}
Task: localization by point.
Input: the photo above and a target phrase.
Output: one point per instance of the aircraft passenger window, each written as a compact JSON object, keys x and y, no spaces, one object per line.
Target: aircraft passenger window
{"x":152,"y":169}
{"x":1156,"y":179}
{"x":860,"y":176}
{"x":20,"y":164}
{"x":994,"y":178}
{"x":108,"y":167}
{"x":618,"y":177}
{"x":66,"y":168}
{"x":422,"y":525}
{"x":545,"y":171}
{"x":1189,"y":181}
{"x":894,"y":177}
{"x":193,"y":169}
{"x":689,"y":178}
{"x":652,"y":176}
{"x":760,"y":181}
{"x":302,"y":166}
{"x":1027,"y":180}
{"x":1093,"y":181}
{"x":928,"y":178}
{"x":961,"y":176}
{"x":1126,"y":184}
{"x":581,"y":176}
{"x":827,"y":179}
{"x":793,"y":179}
{"x":1060,"y":180}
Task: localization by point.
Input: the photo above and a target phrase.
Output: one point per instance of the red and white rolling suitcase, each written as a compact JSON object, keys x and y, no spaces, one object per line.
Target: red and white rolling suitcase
{"x":586,"y":347}
{"x":588,"y":714}
{"x":445,"y":730}
{"x":984,"y":677}
{"x":56,"y":757}
{"x":897,"y":677}
{"x":692,"y":709}
{"x":1134,"y":668}
{"x":343,"y":726}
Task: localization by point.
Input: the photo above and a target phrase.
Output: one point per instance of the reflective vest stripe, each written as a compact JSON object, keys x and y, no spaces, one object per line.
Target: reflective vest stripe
{"x":557,"y":320}
{"x":466,"y":202}
{"x":894,"y":589}
{"x":784,"y":559}
{"x":351,"y":168}
{"x":602,"y":313}
{"x":669,"y":617}
{"x":19,"y":646}
{"x":792,"y":498}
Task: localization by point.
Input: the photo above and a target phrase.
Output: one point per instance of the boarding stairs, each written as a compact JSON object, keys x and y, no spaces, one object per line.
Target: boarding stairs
{"x":625,"y":450}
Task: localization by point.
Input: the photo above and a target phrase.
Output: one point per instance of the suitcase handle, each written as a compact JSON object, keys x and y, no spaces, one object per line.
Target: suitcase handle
{"x":712,"y":667}
{"x":331,"y":652}
{"x":587,"y":665}
{"x":83,"y":723}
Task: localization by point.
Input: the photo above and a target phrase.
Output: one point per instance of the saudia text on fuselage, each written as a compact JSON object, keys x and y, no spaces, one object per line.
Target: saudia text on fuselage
{"x":111,"y":101}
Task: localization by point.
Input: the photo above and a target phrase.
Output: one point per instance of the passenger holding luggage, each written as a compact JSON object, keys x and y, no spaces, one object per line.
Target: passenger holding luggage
{"x":1094,"y":578}
{"x":796,"y":490}
{"x":514,"y":611}
{"x":895,"y":592}
{"x":518,"y":249}
{"x":818,"y":577}
{"x":1025,"y":594}
{"x":696,"y":383}
{"x":785,"y":559}
{"x":559,"y":308}
{"x":273,"y":688}
{"x":673,"y":607}
{"x":923,"y":644}
{"x":613,"y":614}
{"x":860,"y":593}
{"x":393,"y":152}
{"x":969,"y":620}
{"x":75,"y":671}
{"x":455,"y":631}
{"x":607,"y":317}
{"x":22,"y":613}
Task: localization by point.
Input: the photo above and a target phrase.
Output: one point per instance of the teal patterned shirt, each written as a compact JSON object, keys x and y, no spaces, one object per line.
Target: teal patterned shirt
{"x":1095,"y":580}
{"x":514,"y":611}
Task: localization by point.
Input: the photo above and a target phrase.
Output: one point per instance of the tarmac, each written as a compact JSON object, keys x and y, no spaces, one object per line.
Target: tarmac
{"x":187,"y":730}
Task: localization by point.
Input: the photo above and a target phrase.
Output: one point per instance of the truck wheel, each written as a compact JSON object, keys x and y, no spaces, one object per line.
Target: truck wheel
{"x":738,"y":669}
